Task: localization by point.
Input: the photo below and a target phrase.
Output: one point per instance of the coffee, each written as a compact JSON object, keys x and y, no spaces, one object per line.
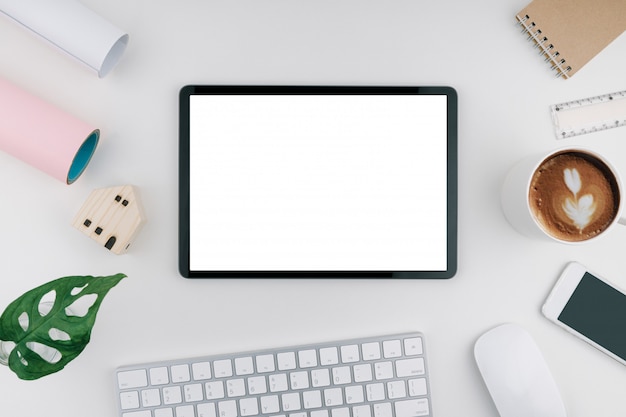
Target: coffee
{"x":574,"y":196}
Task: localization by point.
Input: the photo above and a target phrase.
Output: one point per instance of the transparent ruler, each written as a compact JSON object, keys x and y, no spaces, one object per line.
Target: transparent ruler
{"x":589,"y":115}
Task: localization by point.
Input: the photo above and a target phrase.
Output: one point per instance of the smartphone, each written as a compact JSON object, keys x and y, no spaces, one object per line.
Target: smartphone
{"x":591,"y":308}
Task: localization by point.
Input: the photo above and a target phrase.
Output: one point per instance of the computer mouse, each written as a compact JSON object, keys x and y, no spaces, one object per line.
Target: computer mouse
{"x":516,"y":374}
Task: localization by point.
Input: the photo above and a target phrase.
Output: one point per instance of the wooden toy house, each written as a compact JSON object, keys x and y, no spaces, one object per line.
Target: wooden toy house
{"x":112,"y":217}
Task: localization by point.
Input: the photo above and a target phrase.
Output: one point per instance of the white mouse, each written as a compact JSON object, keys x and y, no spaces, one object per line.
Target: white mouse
{"x":516,"y":374}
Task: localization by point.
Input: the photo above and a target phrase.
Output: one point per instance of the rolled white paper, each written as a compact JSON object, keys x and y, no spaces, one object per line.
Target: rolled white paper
{"x":43,"y":135}
{"x":72,"y":27}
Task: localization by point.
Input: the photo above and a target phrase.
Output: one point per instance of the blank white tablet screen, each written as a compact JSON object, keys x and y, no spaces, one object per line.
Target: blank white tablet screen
{"x":318,"y":182}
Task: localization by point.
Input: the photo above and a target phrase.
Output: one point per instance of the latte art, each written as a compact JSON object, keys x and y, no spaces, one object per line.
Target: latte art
{"x":579,"y":210}
{"x":574,"y":196}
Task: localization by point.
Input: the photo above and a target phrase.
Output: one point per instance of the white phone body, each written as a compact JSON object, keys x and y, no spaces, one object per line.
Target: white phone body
{"x":591,"y":308}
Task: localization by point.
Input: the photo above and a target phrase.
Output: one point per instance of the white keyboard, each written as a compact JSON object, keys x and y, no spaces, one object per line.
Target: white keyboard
{"x":383,"y":376}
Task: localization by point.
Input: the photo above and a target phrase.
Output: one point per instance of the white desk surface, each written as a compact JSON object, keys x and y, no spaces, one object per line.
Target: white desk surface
{"x":504,"y":89}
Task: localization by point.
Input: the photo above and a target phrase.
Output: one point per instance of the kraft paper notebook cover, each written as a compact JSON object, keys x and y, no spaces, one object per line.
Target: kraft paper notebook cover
{"x":571,"y":32}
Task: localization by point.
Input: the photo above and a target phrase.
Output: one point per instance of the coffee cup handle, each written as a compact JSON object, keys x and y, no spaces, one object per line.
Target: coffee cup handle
{"x":622,"y":220}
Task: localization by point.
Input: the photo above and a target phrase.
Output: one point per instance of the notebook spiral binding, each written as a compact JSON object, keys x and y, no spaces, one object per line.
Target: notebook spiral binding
{"x":546,"y":48}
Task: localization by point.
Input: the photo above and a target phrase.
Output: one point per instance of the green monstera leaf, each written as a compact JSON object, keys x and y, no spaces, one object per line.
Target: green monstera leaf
{"x":50,"y":325}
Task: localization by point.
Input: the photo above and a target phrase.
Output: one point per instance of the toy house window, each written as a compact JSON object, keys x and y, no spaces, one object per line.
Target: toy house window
{"x":110,"y":243}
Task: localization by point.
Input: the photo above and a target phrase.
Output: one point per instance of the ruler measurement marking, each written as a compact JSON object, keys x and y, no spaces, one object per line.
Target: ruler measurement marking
{"x":589,"y":115}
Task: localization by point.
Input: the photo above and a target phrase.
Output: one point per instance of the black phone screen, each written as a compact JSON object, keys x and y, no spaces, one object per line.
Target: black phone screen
{"x":598,"y":311}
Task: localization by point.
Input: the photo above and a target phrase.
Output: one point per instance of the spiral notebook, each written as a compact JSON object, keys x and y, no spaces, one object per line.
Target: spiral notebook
{"x":571,"y":32}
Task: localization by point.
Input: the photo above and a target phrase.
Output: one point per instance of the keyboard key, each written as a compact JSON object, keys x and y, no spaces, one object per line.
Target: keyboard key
{"x":236,"y":387}
{"x":329,"y":356}
{"x":396,"y":389}
{"x":375,"y":392}
{"x":159,"y":376}
{"x":286,"y":361}
{"x":278,"y":383}
{"x":291,"y":401}
{"x":214,"y":390}
{"x":340,"y":412}
{"x":371,"y":351}
{"x":180,"y":373}
{"x":129,"y":400}
{"x":383,"y":370}
{"x":333,"y":397}
{"x":223,"y":368}
{"x":132,"y":379}
{"x":249,"y":407}
{"x":185,"y":411}
{"x":350,"y":353}
{"x":150,"y":398}
{"x":172,"y":395}
{"x":307,"y":358}
{"x":299,"y":380}
{"x":354,"y":394}
{"x":410,"y":367}
{"x":227,"y":408}
{"x":257,"y":385}
{"x":201,"y":371}
{"x":143,"y":413}
{"x":320,"y":377}
{"x":312,"y":399}
{"x":417,"y":387}
{"x":265,"y":363}
{"x":412,"y":408}
{"x":205,"y":410}
{"x":362,"y":372}
{"x":243,"y":366}
{"x":341,"y":375}
{"x":318,"y":413}
{"x":193,"y":392}
{"x":383,"y":410}
{"x":361,"y":411}
{"x":270,"y":404}
{"x":392,"y":349}
{"x":163,"y":412}
{"x":413,"y":346}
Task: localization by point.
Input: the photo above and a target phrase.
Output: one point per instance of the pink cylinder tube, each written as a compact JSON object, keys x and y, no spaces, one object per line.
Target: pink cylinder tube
{"x":43,"y":135}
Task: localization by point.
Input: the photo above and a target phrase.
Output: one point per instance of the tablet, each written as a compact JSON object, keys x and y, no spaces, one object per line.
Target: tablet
{"x":318,"y":182}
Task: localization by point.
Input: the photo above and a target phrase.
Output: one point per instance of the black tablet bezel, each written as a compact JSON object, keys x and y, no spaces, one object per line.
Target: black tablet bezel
{"x":452,"y":177}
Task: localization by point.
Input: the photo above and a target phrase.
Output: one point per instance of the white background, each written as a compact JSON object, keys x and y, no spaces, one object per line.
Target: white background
{"x":505,"y":90}
{"x":354,"y":183}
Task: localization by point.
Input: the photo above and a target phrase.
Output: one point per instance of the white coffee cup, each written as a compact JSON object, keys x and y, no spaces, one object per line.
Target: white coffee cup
{"x":565,"y":206}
